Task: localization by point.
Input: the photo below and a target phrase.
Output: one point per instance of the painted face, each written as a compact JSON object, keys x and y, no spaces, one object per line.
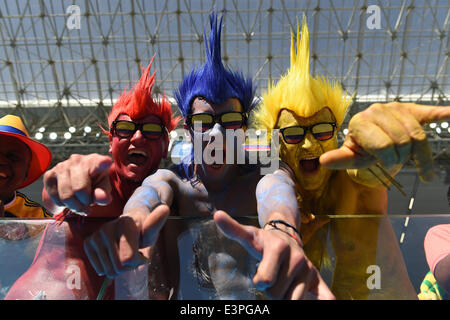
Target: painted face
{"x":137,"y":157}
{"x":15,"y":157}
{"x":303,"y":157}
{"x":214,"y":139}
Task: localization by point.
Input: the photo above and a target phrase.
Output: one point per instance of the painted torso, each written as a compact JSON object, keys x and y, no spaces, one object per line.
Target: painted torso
{"x":356,"y":243}
{"x":237,"y":198}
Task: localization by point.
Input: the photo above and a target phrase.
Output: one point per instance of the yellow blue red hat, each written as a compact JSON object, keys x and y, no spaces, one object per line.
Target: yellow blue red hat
{"x":41,"y":156}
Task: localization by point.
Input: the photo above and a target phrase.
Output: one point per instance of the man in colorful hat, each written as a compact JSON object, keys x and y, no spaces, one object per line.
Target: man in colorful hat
{"x":22,"y":161}
{"x":96,"y":186}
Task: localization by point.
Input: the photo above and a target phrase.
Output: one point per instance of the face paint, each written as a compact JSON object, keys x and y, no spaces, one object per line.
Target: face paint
{"x":137,"y":157}
{"x":303,"y":157}
{"x":213,"y":141}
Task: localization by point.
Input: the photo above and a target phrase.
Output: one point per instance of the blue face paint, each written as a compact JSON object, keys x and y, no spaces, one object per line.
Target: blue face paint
{"x":214,"y":82}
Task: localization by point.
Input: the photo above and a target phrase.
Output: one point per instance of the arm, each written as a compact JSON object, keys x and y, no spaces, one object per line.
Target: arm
{"x":276,"y":199}
{"x":284,"y":272}
{"x":389,"y":134}
{"x":155,"y":190}
{"x":114,"y":248}
{"x":442,"y":273}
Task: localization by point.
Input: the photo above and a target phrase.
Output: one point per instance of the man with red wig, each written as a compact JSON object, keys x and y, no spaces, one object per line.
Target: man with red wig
{"x":138,"y":140}
{"x":96,"y":186}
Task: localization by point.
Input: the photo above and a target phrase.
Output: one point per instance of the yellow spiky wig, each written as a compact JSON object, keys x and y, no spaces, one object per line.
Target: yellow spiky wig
{"x":298,"y":91}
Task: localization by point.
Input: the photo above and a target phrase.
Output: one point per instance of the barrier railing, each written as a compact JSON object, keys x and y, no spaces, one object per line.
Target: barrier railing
{"x":359,"y":257}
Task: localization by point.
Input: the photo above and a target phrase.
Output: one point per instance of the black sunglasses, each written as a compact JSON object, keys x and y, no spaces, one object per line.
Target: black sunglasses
{"x":126,"y":129}
{"x":229,"y":120}
{"x":321,"y":131}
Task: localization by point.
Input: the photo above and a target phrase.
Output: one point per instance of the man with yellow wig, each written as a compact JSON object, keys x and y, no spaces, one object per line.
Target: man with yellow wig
{"x":309,"y":111}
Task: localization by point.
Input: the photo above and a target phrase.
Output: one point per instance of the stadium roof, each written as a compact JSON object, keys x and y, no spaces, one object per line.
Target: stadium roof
{"x":59,"y":72}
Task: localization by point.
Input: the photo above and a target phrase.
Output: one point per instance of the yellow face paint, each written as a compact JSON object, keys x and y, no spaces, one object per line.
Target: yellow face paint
{"x":303,"y":157}
{"x":298,"y":98}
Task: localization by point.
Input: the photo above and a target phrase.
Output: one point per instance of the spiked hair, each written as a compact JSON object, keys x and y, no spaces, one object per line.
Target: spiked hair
{"x":213,"y":81}
{"x":138,"y":102}
{"x":298,"y":91}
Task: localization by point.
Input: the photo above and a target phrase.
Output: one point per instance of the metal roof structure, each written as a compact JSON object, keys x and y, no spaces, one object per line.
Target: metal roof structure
{"x":63,"y":63}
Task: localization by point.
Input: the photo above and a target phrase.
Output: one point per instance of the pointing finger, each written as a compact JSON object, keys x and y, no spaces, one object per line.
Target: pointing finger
{"x":425,"y":114}
{"x":94,"y":185}
{"x":153,"y":224}
{"x":129,"y":254}
{"x":247,"y":236}
{"x":320,"y":289}
{"x":346,"y":158}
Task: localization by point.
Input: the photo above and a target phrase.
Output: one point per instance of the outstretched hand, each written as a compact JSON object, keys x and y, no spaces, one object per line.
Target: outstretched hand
{"x":388,"y":133}
{"x":284,"y":271}
{"x":78,"y":182}
{"x":115,"y":247}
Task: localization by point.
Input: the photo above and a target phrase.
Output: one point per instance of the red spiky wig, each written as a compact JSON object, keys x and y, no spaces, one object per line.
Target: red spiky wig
{"x":138,"y":102}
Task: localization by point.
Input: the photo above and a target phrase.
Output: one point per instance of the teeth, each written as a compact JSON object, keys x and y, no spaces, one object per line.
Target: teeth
{"x":138,"y":152}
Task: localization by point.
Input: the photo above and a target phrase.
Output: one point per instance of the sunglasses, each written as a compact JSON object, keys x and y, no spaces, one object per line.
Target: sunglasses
{"x":321,"y":131}
{"x":229,"y":120}
{"x":126,"y":129}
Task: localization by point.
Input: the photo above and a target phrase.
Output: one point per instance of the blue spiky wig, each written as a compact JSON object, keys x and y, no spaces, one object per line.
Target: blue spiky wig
{"x":213,"y":80}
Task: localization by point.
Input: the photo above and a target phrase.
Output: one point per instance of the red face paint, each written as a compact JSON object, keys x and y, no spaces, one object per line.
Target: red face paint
{"x":137,"y":157}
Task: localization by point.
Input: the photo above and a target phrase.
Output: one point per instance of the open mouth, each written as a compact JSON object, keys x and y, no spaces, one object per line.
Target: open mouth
{"x":137,"y":157}
{"x":217,"y":165}
{"x":310,"y":165}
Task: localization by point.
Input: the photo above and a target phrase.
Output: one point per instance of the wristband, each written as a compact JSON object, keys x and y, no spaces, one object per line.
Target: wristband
{"x":273,"y":224}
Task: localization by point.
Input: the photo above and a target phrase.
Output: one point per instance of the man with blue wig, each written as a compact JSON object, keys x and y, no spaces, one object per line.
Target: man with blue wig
{"x":213,"y":101}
